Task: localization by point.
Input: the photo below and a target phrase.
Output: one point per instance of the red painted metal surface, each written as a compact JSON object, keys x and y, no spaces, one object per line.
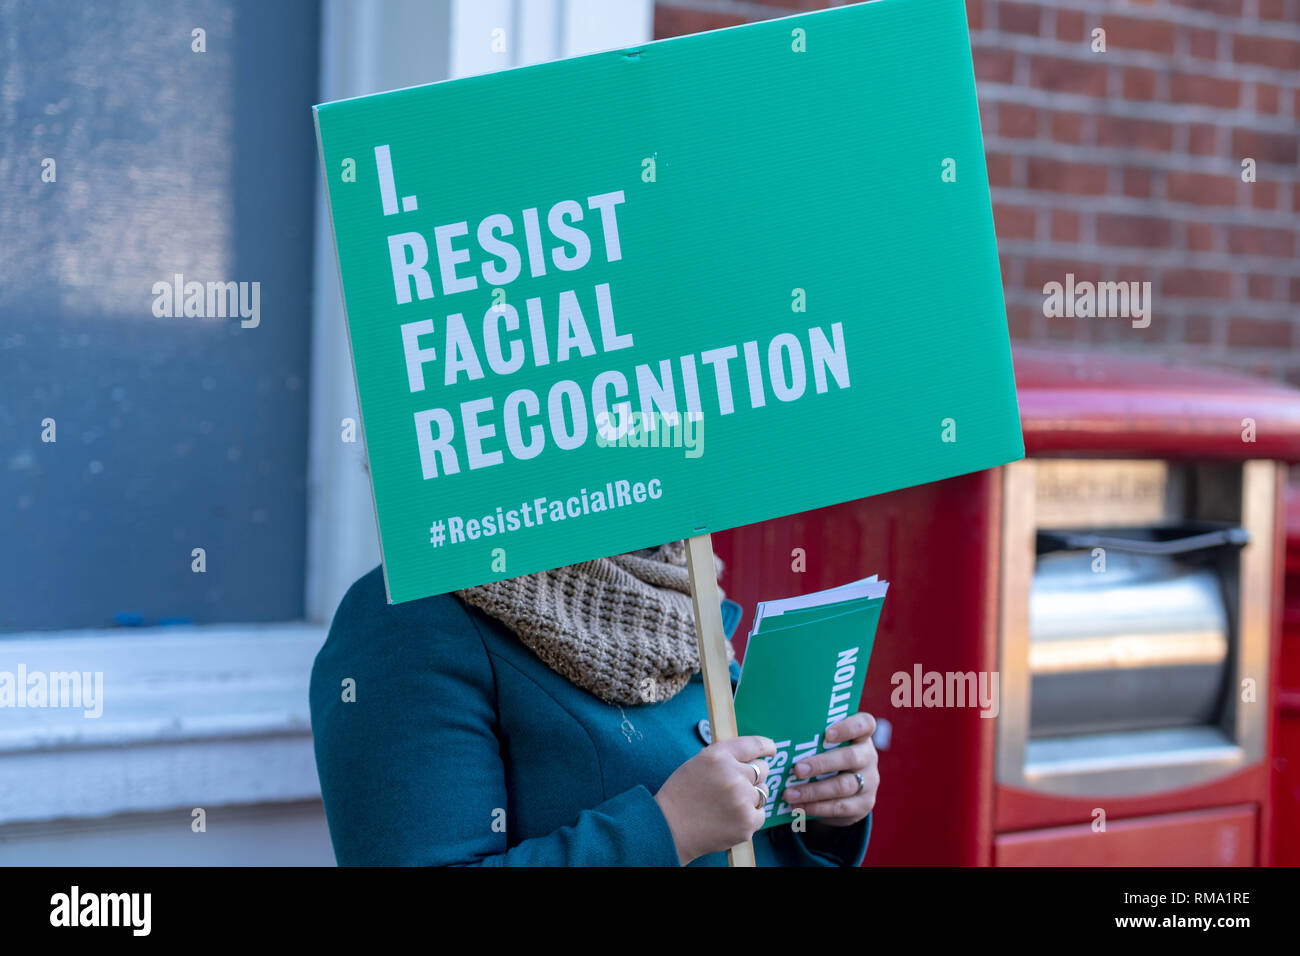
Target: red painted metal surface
{"x":1286,"y":749}
{"x":1086,"y":404}
{"x":1024,"y":810}
{"x":1219,"y":837}
{"x":1020,"y":810}
{"x":1089,"y":403}
{"x":939,"y":546}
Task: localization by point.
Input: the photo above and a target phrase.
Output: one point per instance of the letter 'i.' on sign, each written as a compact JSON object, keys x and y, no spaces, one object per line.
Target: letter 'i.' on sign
{"x":796,"y":281}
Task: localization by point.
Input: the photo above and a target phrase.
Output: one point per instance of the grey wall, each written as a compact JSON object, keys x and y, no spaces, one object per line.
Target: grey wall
{"x":267,"y":835}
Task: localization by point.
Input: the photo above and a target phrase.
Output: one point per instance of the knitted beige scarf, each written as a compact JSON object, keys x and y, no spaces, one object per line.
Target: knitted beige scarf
{"x":622,"y":627}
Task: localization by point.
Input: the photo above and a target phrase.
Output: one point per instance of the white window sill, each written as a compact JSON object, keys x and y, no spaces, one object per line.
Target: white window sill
{"x":192,"y":717}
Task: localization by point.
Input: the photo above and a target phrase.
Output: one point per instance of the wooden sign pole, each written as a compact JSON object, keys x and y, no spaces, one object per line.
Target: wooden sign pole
{"x":713,"y":657}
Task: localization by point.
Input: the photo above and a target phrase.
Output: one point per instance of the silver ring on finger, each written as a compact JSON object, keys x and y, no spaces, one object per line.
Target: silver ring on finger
{"x":762,"y":797}
{"x":861,"y":784}
{"x":758,"y":777}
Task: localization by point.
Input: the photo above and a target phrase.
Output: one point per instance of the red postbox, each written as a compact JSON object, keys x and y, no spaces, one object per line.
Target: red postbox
{"x":1286,"y":749}
{"x":1122,"y":585}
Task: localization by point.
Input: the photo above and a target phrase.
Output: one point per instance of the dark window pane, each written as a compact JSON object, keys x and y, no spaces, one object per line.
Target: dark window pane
{"x":173,"y":433}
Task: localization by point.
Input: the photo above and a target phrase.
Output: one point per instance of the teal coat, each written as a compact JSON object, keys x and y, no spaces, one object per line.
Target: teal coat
{"x":463,"y":748}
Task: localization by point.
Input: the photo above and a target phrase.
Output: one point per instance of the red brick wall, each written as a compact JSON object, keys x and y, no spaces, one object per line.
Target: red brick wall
{"x":1126,"y":165}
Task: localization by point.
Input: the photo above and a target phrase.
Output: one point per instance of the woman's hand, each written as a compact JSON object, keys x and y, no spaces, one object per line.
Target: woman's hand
{"x":710,"y":801}
{"x":837,"y":801}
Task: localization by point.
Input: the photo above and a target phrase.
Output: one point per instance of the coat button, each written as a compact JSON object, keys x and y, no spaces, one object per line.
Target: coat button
{"x":702,"y":728}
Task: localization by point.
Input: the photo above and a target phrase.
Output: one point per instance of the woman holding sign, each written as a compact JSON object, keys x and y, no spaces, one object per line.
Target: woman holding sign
{"x":554,"y":719}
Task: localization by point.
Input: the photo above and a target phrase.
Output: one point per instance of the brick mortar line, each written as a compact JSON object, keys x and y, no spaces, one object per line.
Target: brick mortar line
{"x":1042,"y":220}
{"x":1058,"y":102}
{"x":1183,"y":306}
{"x":1218,"y":350}
{"x":1125,"y":56}
{"x":1175,"y":16}
{"x":1172,"y":306}
{"x":1165,"y":160}
{"x":1152,"y":208}
{"x":1276,"y":267}
{"x":1047,"y":24}
{"x":1159,"y":257}
{"x":1088,"y":220}
{"x":1132,"y":206}
{"x":1224,"y":356}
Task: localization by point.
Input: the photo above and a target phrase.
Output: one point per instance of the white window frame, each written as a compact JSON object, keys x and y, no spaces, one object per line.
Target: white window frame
{"x":214,"y":715}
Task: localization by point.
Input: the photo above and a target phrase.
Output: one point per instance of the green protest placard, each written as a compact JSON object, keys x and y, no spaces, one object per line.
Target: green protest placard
{"x":607,"y":302}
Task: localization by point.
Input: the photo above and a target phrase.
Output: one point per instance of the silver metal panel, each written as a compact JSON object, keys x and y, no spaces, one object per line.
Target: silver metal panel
{"x":1013,"y":653}
{"x":1261,"y":481}
{"x":1138,"y":641}
{"x":1130,"y":763}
